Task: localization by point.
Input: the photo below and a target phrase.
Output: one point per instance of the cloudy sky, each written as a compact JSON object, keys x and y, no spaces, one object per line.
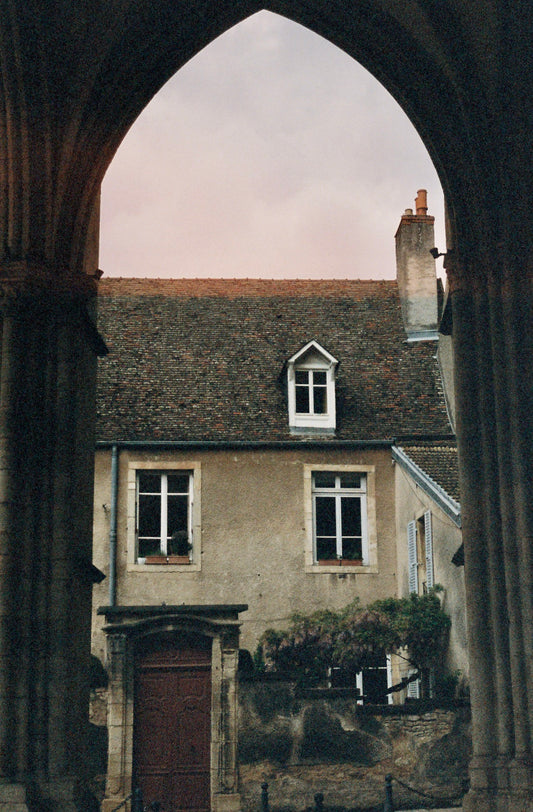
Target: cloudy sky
{"x":270,"y":154}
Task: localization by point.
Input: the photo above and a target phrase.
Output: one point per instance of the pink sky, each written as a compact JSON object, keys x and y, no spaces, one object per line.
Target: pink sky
{"x":270,"y":154}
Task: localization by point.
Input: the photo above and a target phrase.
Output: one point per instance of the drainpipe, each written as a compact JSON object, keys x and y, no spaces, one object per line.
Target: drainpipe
{"x":113,"y":527}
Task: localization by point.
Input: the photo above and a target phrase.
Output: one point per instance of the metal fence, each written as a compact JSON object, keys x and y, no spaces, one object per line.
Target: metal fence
{"x":388,"y":802}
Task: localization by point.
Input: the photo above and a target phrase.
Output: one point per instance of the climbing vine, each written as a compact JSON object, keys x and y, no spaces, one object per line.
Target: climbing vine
{"x":415,"y":626}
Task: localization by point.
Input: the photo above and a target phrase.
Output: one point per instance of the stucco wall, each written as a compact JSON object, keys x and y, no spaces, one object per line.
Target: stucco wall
{"x":302,"y":745}
{"x":254,"y":524}
{"x":411,"y":502}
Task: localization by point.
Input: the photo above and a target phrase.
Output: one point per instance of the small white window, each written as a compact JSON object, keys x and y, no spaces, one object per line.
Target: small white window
{"x":374,"y":680}
{"x":311,"y":390}
{"x":163,"y":516}
{"x":340,"y":517}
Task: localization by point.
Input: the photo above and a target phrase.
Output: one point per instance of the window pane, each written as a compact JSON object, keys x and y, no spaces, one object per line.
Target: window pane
{"x":375,"y":686}
{"x":319,"y":378}
{"x":351,"y":549}
{"x":302,"y":377}
{"x":324,"y":479}
{"x":149,"y":547}
{"x":320,"y":400}
{"x":325,"y":548}
{"x":351,"y":480}
{"x":325,"y":516}
{"x":302,"y":399}
{"x":351,"y":516}
{"x":149,"y":482}
{"x":149,"y":519}
{"x":177,"y":514}
{"x":178,"y":483}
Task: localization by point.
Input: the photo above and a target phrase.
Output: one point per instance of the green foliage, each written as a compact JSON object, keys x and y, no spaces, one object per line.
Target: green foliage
{"x":447,"y":686}
{"x":306,"y":648}
{"x":421,"y":625}
{"x":350,"y":638}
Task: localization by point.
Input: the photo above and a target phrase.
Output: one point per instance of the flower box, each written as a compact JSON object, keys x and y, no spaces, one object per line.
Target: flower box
{"x":167,"y":559}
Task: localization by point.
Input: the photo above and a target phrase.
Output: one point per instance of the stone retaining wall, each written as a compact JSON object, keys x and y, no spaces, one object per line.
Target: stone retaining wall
{"x":323,"y":742}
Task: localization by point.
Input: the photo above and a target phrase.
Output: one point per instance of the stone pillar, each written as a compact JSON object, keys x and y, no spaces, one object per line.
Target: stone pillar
{"x":119,"y":720}
{"x":47,"y":384}
{"x":493,"y":346}
{"x":226,"y":797}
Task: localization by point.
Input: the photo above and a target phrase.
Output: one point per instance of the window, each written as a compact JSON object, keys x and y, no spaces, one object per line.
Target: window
{"x":340,"y":517}
{"x":420,"y":571}
{"x":311,"y":390}
{"x":163,"y":516}
{"x":374,"y":680}
{"x":420,"y":553}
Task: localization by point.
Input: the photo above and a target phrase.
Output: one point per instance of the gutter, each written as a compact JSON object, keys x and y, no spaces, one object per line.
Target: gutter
{"x":113,"y":527}
{"x":244,"y":444}
{"x":432,"y":488}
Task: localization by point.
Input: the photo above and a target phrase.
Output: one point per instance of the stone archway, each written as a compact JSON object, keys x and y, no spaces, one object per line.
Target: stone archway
{"x":74,"y":79}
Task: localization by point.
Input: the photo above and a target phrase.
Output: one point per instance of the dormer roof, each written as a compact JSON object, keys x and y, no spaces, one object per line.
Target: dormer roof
{"x":311,"y":353}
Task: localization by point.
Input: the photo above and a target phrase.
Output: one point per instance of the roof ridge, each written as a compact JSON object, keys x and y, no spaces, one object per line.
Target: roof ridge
{"x":236,"y":287}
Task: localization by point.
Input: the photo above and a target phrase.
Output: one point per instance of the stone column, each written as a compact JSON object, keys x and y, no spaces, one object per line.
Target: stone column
{"x":226,"y":797}
{"x":119,"y":720}
{"x":493,"y":346}
{"x":47,"y":384}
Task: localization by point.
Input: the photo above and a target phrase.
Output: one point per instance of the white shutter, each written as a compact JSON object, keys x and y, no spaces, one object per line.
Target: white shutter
{"x":412,"y":557}
{"x":428,"y":541}
{"x":413,"y":688}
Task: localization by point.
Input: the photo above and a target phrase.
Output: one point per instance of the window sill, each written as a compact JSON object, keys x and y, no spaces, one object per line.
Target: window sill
{"x":162,"y":565}
{"x":167,"y":559}
{"x":347,"y":568}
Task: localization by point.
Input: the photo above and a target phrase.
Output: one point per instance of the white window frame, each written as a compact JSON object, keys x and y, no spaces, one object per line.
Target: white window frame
{"x":371,"y":565}
{"x":165,"y":467}
{"x":163,"y":523}
{"x":312,"y":358}
{"x":338,"y":493}
{"x":359,"y":681}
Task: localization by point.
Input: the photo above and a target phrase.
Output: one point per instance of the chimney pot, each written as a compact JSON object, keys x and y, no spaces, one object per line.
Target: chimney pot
{"x":408,"y":211}
{"x":421,"y":202}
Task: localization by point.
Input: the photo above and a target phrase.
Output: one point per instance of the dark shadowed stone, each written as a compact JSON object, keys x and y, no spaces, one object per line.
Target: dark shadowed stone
{"x":325,"y":739}
{"x":269,"y":701}
{"x":274,"y":746}
{"x":447,"y":760}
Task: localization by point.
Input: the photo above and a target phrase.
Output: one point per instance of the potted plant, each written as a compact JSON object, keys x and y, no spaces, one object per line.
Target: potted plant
{"x":179,"y":548}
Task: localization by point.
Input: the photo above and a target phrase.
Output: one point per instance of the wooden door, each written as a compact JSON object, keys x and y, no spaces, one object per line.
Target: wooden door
{"x":172,"y":724}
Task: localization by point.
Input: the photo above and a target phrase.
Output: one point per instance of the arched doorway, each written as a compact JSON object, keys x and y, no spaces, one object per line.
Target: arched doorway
{"x":172,"y":712}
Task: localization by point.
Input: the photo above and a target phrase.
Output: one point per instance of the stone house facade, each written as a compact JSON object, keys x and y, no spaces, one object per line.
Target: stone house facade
{"x":247,"y":468}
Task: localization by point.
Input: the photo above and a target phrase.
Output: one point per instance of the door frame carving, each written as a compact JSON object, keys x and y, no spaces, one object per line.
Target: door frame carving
{"x":128,"y":625}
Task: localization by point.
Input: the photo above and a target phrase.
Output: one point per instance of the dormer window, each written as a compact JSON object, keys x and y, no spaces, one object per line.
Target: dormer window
{"x":311,"y":390}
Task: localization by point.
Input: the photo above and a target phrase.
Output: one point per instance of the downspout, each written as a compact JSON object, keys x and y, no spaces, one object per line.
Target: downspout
{"x":113,"y":527}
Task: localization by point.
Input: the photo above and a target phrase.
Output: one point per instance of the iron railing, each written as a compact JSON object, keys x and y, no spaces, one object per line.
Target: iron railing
{"x":388,"y":803}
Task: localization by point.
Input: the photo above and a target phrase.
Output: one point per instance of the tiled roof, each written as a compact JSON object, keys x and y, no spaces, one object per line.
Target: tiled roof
{"x":204,"y":359}
{"x":438,"y":460}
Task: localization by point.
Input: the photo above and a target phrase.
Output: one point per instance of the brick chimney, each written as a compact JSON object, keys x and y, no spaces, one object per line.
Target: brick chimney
{"x":415,"y":271}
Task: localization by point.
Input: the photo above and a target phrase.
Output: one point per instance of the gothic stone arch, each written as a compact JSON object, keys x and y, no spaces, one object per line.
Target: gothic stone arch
{"x":75,"y":75}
